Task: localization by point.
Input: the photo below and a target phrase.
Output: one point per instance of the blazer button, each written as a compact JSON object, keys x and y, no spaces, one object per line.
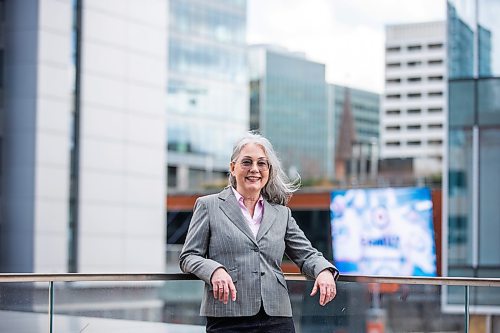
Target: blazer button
{"x":262,"y":273}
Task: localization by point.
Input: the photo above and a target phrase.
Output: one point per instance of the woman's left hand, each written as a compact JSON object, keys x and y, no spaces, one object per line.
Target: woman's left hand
{"x":327,"y":288}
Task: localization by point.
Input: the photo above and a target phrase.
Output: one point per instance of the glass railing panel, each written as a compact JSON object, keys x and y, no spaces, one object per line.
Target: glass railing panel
{"x":148,"y":305}
{"x":24,"y":307}
{"x":455,"y":296}
{"x":486,"y":297}
{"x":361,"y":307}
{"x":140,"y":306}
{"x":182,"y":302}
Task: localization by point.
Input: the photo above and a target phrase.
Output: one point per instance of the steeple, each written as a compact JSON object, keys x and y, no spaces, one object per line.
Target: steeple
{"x":346,"y":138}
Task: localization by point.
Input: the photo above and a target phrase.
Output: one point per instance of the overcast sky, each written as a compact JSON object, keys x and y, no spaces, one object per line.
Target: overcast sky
{"x":346,"y":35}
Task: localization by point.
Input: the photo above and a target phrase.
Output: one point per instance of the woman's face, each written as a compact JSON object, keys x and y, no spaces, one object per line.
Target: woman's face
{"x":251,"y":169}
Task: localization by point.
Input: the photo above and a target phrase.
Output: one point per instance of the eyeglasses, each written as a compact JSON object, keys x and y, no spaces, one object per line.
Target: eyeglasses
{"x":247,"y":164}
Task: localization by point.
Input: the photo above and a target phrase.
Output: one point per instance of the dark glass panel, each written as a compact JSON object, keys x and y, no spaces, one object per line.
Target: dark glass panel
{"x":461,"y":103}
{"x":489,"y":102}
{"x":489,"y":194}
{"x":460,"y":197}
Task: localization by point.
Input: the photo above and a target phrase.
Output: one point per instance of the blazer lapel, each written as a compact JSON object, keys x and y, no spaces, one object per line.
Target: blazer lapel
{"x":270,"y":213}
{"x":229,"y":205}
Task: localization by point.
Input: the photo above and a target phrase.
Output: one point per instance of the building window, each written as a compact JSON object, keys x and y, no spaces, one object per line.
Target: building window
{"x":435,"y":110}
{"x":393,"y":143}
{"x":393,"y":128}
{"x":435,"y":94}
{"x":435,"y":78}
{"x":172,"y":176}
{"x":414,"y":79}
{"x":434,"y":126}
{"x":435,"y":62}
{"x":435,"y":46}
{"x":414,"y":47}
{"x":414,"y":95}
{"x":413,"y":127}
{"x":391,"y":81}
{"x":435,"y":142}
{"x":393,"y":112}
{"x":489,"y":186}
{"x":391,"y":49}
{"x":393,"y":96}
{"x":413,"y":111}
{"x":414,"y":63}
{"x":393,"y":64}
{"x":414,"y":143}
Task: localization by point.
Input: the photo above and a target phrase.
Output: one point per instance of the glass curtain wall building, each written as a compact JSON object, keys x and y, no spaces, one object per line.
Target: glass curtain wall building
{"x":471,"y":247}
{"x":365,"y":108}
{"x":207,"y":104}
{"x":288,"y":105}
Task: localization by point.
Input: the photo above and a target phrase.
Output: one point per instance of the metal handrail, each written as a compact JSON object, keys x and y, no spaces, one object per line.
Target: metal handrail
{"x":77,"y":277}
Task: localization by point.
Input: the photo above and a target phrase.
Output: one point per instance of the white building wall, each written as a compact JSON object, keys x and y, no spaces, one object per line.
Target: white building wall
{"x":53,"y":114}
{"x":123,"y":130}
{"x":411,"y":127}
{"x":123,"y":136}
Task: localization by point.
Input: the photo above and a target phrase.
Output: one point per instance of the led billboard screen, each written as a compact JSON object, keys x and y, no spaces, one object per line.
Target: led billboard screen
{"x":385,"y":231}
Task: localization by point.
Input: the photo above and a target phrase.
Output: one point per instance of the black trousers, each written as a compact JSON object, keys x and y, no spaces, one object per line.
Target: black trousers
{"x":260,"y":323}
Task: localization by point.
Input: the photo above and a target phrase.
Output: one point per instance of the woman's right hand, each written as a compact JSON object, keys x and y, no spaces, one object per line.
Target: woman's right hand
{"x":222,"y":285}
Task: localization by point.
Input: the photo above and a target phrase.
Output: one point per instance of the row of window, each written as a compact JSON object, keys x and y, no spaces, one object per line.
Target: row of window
{"x":216,"y":24}
{"x":412,"y":127}
{"x":414,"y":79}
{"x":414,"y":63}
{"x":413,"y":95}
{"x":433,"y":110}
{"x":414,"y":47}
{"x":396,"y":143}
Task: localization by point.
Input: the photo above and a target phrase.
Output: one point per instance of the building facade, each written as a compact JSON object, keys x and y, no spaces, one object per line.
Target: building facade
{"x":364,"y":108}
{"x":207,"y":89}
{"x":471,"y":209}
{"x":288,"y":106}
{"x":414,"y":103}
{"x":83,"y":136}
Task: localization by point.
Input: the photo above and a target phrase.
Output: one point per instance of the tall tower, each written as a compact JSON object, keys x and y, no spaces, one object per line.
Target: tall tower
{"x":414,"y":102}
{"x":289,"y":106}
{"x":207,"y":89}
{"x":346,"y":139}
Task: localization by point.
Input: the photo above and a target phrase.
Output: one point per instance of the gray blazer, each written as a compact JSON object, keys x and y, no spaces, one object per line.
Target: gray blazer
{"x":219,"y":236}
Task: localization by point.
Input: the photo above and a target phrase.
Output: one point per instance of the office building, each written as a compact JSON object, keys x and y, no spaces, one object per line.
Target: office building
{"x":471,"y":187}
{"x":207,"y":103}
{"x":288,"y":106}
{"x":83,"y":136}
{"x":414,"y":102}
{"x":365,"y":106}
{"x":355,"y":131}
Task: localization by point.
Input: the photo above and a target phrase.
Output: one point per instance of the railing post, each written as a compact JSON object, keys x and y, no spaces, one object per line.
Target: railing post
{"x":467,"y":288}
{"x":51,"y":305}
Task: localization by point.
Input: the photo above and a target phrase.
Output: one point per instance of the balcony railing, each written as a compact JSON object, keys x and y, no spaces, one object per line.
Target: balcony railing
{"x":151,"y":303}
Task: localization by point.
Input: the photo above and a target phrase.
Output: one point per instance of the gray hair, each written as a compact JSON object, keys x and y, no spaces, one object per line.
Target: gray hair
{"x":279,"y":187}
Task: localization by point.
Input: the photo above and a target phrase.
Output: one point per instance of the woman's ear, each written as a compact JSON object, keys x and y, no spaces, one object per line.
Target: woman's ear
{"x":231,"y":168}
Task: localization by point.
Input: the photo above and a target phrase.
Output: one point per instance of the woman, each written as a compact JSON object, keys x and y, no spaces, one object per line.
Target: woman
{"x":236,"y":241}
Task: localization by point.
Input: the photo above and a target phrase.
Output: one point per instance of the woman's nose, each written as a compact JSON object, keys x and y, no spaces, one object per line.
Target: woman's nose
{"x":254,"y":167}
